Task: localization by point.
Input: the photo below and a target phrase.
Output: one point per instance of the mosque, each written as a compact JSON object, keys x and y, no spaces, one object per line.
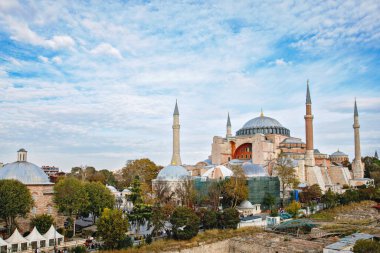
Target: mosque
{"x":256,"y":147}
{"x":39,"y":185}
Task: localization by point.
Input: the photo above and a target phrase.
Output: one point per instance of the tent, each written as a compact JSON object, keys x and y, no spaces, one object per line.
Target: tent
{"x":4,"y":246}
{"x":36,"y":239}
{"x":53,"y":237}
{"x":17,"y":242}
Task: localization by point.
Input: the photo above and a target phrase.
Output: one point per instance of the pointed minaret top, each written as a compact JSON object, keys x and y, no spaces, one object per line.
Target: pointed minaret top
{"x":261,"y":114}
{"x":176,"y":112}
{"x":356,"y":109}
{"x":228,"y":120}
{"x":308,"y":99}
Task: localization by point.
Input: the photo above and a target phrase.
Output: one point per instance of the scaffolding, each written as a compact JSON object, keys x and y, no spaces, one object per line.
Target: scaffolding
{"x":259,"y":187}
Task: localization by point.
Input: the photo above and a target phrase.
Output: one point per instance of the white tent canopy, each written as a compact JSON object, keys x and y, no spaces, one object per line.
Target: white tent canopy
{"x":35,"y":236}
{"x":17,"y":239}
{"x":3,"y":243}
{"x":52,"y":234}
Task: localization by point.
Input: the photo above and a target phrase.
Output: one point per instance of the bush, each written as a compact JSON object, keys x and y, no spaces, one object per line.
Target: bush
{"x":293,"y":208}
{"x":149,"y":239}
{"x":43,"y":222}
{"x":229,"y":218}
{"x":69,"y":233}
{"x":366,"y":246}
{"x":125,"y":243}
{"x":185,"y":223}
{"x":210,"y":219}
{"x":273,"y":212}
{"x":79,"y":249}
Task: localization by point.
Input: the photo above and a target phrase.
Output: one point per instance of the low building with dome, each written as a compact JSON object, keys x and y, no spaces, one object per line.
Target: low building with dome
{"x":247,"y":209}
{"x":38,"y":184}
{"x":339,"y":157}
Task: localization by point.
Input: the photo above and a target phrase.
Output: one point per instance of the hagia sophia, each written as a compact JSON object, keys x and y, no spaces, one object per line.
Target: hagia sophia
{"x":257,"y":146}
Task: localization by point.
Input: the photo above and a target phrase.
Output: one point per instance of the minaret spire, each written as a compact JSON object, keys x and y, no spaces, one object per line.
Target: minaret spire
{"x":309,"y":159}
{"x":176,"y":158}
{"x":261,"y":114}
{"x":357,"y":165}
{"x":228,"y":126}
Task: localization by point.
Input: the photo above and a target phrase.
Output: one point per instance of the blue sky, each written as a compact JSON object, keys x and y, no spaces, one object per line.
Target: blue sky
{"x":95,"y":82}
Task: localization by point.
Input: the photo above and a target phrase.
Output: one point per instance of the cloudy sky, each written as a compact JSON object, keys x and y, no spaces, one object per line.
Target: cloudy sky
{"x":95,"y":82}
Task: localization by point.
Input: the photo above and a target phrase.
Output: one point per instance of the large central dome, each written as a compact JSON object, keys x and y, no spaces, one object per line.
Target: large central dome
{"x":263,"y":125}
{"x":27,"y":173}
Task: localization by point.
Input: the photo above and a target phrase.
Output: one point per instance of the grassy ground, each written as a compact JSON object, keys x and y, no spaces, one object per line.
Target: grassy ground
{"x":209,"y":236}
{"x":353,"y":208}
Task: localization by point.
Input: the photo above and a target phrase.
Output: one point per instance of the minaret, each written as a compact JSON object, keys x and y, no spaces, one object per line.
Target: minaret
{"x":309,"y":158}
{"x":228,"y":127}
{"x":176,"y":158}
{"x":357,"y":165}
{"x":376,"y":155}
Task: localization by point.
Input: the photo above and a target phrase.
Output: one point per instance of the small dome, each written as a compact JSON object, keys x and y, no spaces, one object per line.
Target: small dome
{"x":218,"y":172}
{"x":245,"y":205}
{"x":173,"y":172}
{"x":26,"y":172}
{"x":338,"y":153}
{"x":253,"y":170}
{"x":293,"y":140}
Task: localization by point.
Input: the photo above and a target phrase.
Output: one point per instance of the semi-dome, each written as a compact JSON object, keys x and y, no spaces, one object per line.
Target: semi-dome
{"x":245,"y":205}
{"x":263,"y":125}
{"x":253,"y":170}
{"x":25,"y":172}
{"x":338,"y":153}
{"x":218,"y":172}
{"x":173,"y":172}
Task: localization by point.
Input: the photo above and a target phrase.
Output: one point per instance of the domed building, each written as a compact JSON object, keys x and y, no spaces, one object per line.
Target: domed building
{"x":257,"y":141}
{"x":253,"y":170}
{"x":339,"y":157}
{"x":38,"y":184}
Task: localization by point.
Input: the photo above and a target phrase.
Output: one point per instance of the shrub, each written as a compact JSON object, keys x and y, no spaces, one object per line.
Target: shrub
{"x":149,"y":239}
{"x":229,"y":218}
{"x":185,"y":223}
{"x":43,"y":222}
{"x":210,"y":219}
{"x":366,"y":246}
{"x":293,"y":208}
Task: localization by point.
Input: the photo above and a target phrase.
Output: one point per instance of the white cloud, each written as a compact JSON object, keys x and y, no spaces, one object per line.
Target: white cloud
{"x":57,"y":59}
{"x":106,"y":49}
{"x":43,"y":59}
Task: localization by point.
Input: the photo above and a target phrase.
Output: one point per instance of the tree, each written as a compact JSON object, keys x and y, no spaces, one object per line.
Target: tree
{"x":186,"y":192}
{"x":311,"y":193}
{"x":109,"y":177}
{"x":330,"y":199}
{"x":71,"y":197}
{"x":42,"y":222}
{"x":293,"y":208}
{"x":229,"y":218}
{"x":160,"y":215}
{"x":141,"y":213}
{"x":15,"y":200}
{"x":366,"y":246}
{"x":144,"y":168}
{"x":99,"y":198}
{"x":185,"y":223}
{"x":284,"y":169}
{"x":269,"y":200}
{"x":162,"y":192}
{"x":210,"y":219}
{"x":214,"y":194}
{"x":235,"y":189}
{"x":112,"y":227}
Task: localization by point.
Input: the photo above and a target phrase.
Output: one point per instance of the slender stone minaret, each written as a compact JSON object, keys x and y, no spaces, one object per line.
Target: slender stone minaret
{"x":357,"y":165}
{"x":228,"y":127}
{"x":309,"y":158}
{"x":176,"y":158}
{"x":376,"y":155}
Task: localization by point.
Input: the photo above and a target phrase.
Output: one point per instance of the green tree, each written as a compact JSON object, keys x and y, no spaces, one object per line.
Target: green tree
{"x":71,"y":197}
{"x":310,"y":193}
{"x":109,"y":177}
{"x":160,"y":215}
{"x":42,"y":222}
{"x":15,"y":200}
{"x":112,"y":227}
{"x":141,"y":213}
{"x":330,"y":199}
{"x":185,"y":223}
{"x":269,"y":200}
{"x":229,"y":218}
{"x":144,"y":168}
{"x":210,"y":219}
{"x":235,"y":188}
{"x":293,"y":208}
{"x":366,"y":246}
{"x":99,"y":198}
{"x":284,"y":169}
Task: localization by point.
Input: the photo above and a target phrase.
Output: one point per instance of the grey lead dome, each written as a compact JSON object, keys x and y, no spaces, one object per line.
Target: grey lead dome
{"x":25,"y":172}
{"x":263,"y":125}
{"x":173,"y":172}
